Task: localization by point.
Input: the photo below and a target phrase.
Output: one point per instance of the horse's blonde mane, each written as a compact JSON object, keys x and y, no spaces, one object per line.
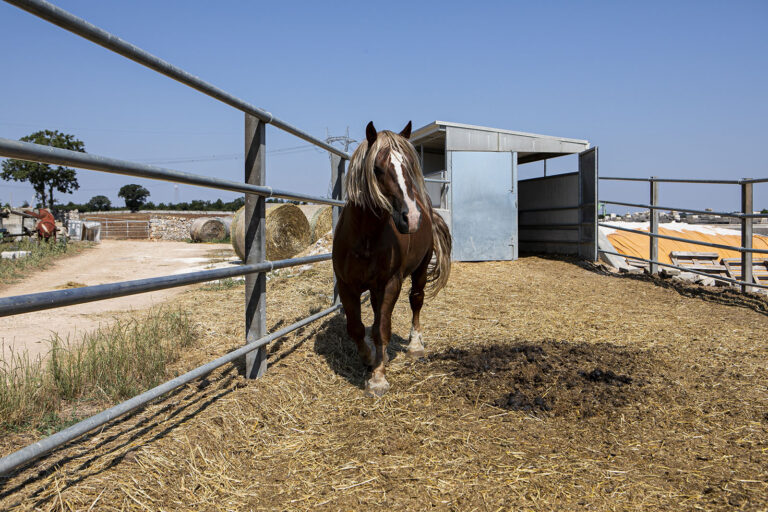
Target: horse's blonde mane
{"x":362,"y":186}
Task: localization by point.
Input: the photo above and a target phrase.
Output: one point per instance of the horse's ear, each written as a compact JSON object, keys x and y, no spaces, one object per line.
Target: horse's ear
{"x":406,"y":131}
{"x":370,"y":133}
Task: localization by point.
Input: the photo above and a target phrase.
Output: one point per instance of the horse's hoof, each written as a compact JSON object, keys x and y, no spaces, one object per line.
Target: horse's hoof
{"x":376,"y":389}
{"x":415,"y":344}
{"x":416,"y":353}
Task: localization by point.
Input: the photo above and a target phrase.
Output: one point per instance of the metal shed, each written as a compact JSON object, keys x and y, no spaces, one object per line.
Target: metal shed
{"x":471,"y":175}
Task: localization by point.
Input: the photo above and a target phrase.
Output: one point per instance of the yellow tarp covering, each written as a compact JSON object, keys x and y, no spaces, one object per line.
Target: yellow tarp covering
{"x":633,"y":244}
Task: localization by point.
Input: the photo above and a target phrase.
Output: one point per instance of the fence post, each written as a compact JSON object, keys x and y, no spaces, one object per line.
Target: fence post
{"x":338,"y":166}
{"x":654,"y":268}
{"x":746,"y":236}
{"x":255,"y":248}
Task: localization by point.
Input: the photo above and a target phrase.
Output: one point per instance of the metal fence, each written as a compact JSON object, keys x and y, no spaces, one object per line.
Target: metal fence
{"x":123,"y":229}
{"x":254,"y":267}
{"x":745,"y":216}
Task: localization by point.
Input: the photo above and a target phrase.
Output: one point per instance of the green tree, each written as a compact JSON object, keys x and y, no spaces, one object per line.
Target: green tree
{"x":99,"y":203}
{"x":44,"y":177}
{"x":134,"y":195}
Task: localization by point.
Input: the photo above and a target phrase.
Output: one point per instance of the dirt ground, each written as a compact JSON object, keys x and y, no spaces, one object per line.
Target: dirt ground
{"x":547,"y":386}
{"x":107,"y":262}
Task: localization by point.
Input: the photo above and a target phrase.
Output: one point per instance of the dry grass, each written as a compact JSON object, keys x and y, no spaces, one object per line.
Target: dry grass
{"x":69,"y":285}
{"x":547,"y":386}
{"x":100,"y":368}
{"x":42,"y":255}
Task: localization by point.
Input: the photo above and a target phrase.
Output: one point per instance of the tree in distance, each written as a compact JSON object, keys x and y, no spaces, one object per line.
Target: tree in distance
{"x":134,"y":195}
{"x":99,"y":204}
{"x":44,"y":177}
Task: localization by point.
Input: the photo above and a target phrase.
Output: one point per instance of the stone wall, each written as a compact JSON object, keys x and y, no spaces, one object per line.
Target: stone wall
{"x":163,"y":225}
{"x":167,"y":227}
{"x":170,"y":227}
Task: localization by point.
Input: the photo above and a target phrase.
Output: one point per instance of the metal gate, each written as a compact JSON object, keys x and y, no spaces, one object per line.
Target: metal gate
{"x":123,"y":229}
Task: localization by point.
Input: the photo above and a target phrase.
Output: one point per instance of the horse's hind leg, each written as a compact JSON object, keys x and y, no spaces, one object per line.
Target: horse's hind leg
{"x":416,"y":298}
{"x":351,"y":302}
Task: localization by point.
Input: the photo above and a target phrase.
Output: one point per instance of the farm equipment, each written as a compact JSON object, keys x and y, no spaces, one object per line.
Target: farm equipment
{"x":45,"y":226}
{"x":4,"y":233}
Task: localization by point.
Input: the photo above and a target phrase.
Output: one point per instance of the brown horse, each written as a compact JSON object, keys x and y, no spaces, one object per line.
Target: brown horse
{"x":386,"y":232}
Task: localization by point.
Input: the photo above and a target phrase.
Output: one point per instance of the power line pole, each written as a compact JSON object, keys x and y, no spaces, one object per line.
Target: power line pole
{"x":340,"y":138}
{"x":344,"y":139}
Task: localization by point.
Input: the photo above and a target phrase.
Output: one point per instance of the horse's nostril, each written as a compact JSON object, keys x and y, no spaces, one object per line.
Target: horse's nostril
{"x":405,"y":217}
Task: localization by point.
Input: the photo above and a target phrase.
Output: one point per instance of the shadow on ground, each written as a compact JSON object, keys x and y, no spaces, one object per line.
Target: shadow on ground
{"x":340,"y":352}
{"x":106,"y":447}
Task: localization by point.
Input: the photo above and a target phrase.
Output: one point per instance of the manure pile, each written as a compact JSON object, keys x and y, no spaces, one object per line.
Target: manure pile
{"x":545,"y":386}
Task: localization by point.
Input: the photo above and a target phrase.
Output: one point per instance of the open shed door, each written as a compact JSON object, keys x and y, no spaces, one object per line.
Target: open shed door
{"x":588,"y":204}
{"x":483,"y":205}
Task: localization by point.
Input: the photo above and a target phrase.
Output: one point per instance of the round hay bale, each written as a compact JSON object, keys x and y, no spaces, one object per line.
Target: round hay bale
{"x":287,"y":232}
{"x":207,"y":229}
{"x":321,"y":222}
{"x":310,"y":209}
{"x":227,"y":222}
{"x":237,"y":233}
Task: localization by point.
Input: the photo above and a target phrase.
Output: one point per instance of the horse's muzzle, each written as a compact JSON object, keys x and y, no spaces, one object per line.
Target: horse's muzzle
{"x":407,"y":220}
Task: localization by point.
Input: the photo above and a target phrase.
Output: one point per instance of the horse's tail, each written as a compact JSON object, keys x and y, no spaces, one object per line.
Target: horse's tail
{"x":440,"y":268}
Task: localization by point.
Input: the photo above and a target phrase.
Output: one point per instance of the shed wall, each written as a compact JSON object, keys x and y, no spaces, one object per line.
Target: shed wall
{"x":549,"y":214}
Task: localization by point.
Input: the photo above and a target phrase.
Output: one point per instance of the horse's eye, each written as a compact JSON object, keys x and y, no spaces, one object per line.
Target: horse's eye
{"x":378,"y":170}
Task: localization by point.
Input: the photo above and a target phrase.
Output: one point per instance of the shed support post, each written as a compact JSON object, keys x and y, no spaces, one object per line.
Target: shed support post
{"x":746,"y":236}
{"x":338,"y":167}
{"x":654,"y":228}
{"x":255,"y":248}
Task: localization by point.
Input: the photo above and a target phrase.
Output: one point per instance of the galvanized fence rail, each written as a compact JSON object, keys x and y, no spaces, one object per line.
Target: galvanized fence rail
{"x":745,"y":217}
{"x":255,"y":266}
{"x":117,"y":228}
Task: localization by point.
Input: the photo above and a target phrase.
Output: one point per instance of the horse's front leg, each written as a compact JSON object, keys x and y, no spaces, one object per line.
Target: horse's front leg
{"x":350,"y":299}
{"x":384,"y":303}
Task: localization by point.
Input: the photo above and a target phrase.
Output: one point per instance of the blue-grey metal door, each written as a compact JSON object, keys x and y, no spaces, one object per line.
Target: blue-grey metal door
{"x":484,"y":205}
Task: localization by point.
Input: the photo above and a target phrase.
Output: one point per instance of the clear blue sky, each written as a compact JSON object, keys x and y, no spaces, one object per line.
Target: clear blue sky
{"x":673,"y":89}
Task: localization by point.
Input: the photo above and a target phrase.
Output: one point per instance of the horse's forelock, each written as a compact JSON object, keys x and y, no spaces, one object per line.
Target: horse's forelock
{"x":362,"y":186}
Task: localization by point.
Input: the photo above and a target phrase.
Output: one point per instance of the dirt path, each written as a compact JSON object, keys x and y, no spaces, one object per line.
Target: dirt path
{"x":110,"y":261}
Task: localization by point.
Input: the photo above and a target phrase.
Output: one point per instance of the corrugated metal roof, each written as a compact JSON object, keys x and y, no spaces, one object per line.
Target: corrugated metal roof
{"x":443,"y":135}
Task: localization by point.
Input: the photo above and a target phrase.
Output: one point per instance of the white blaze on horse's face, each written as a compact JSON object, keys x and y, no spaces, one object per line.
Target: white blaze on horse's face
{"x":413,"y":211}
